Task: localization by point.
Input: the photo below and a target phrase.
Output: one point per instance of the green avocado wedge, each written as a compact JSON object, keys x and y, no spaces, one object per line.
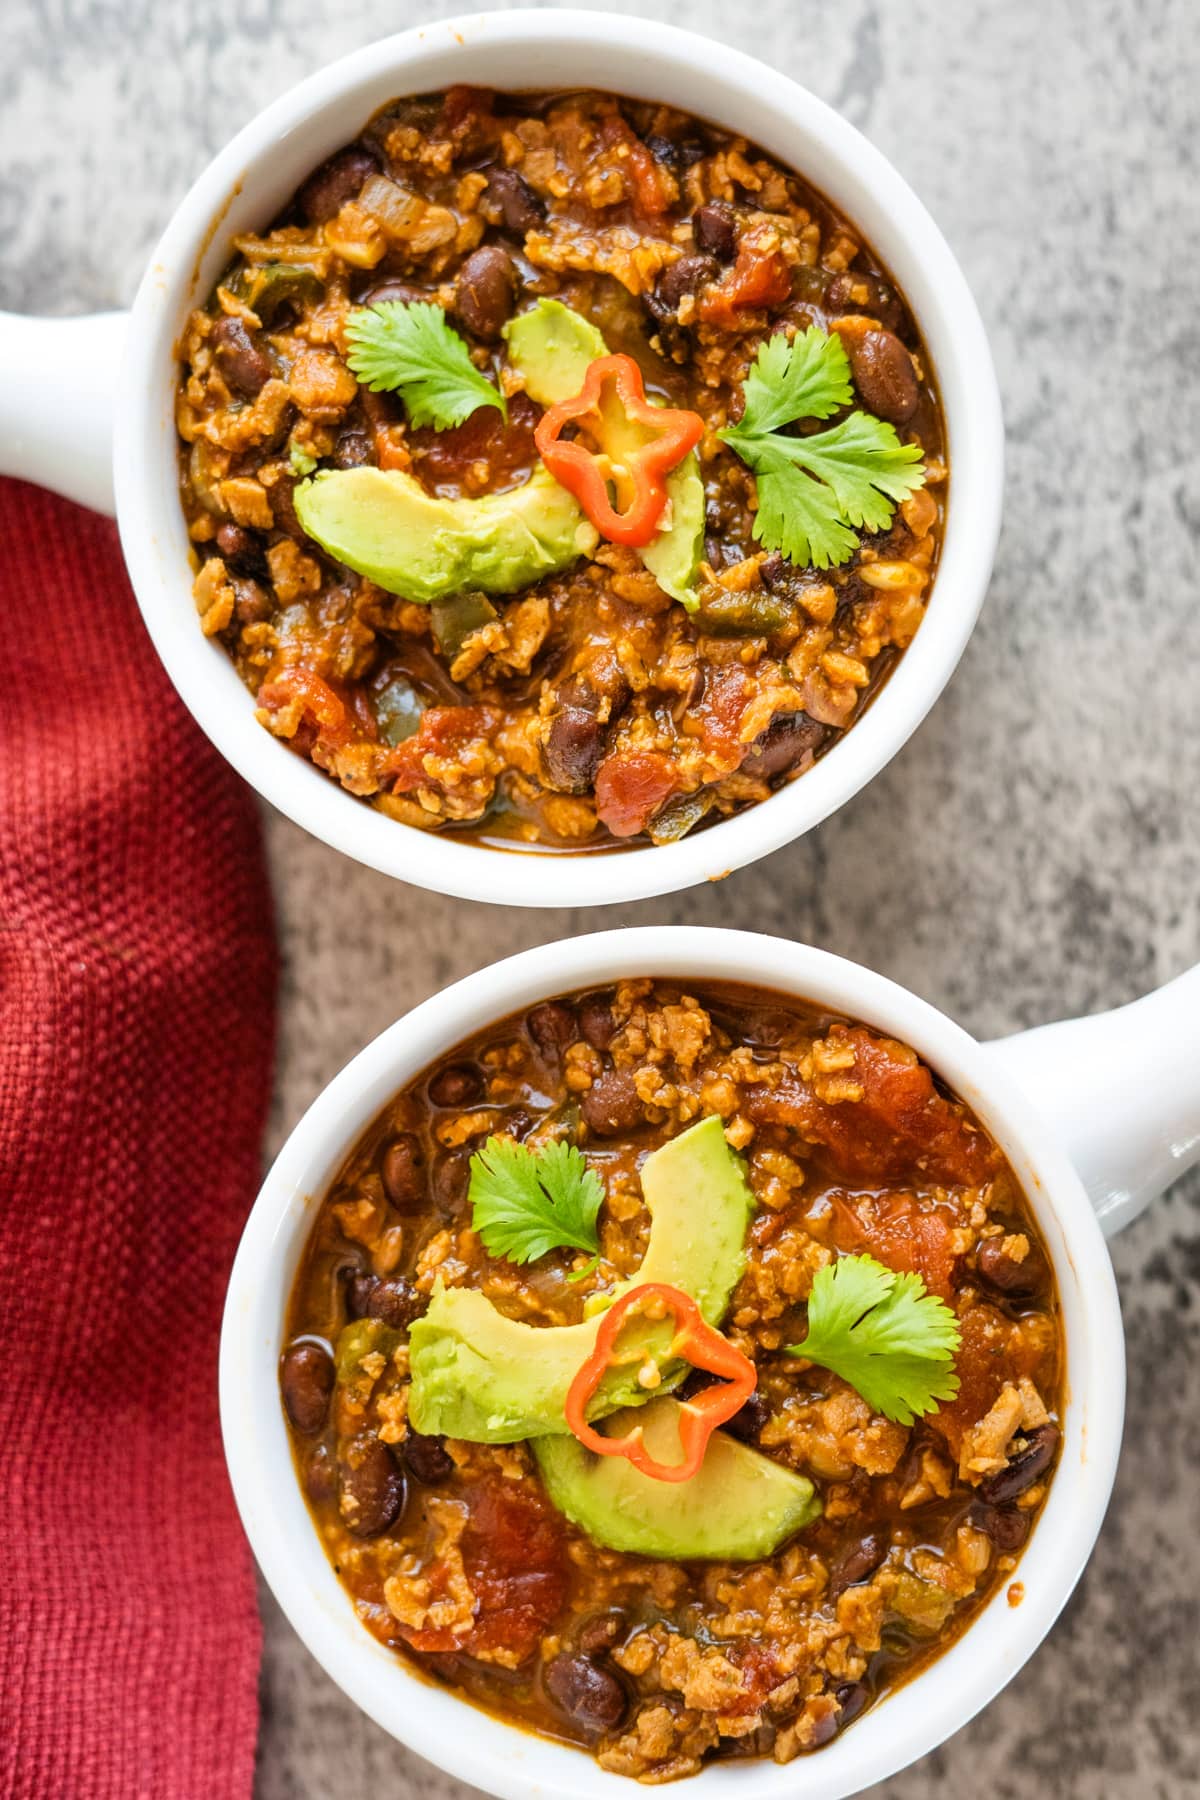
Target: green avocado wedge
{"x":550,"y":347}
{"x":738,"y":1506}
{"x":382,"y":523}
{"x":493,"y":1380}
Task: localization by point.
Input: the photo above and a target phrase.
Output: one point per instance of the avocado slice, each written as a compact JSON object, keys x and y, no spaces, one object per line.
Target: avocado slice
{"x":550,"y":347}
{"x":493,"y":1380}
{"x":383,"y":523}
{"x":673,"y":555}
{"x":739,"y":1505}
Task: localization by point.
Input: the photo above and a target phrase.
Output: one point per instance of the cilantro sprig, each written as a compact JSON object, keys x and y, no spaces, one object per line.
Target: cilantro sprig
{"x":816,"y":493}
{"x":406,"y":347}
{"x":525,"y":1203}
{"x":884,"y":1334}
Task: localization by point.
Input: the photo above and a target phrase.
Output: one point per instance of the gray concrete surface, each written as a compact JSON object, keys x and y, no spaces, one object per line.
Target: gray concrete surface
{"x":1036,"y":849}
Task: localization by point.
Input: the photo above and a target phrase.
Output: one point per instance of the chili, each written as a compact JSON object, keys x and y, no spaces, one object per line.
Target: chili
{"x":701,"y":1345}
{"x":639,"y":445}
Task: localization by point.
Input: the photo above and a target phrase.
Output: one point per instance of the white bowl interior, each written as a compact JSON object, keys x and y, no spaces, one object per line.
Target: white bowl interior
{"x":255,"y":175}
{"x":469,"y":1743}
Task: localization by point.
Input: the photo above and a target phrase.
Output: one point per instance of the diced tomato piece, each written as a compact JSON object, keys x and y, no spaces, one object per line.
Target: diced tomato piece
{"x":761,"y":1674}
{"x":727,"y":694}
{"x":898,"y":1232}
{"x":324,"y":710}
{"x":445,"y":731}
{"x":652,"y":189}
{"x":631,"y":785}
{"x":759,"y":278}
{"x":514,"y":1558}
{"x":900,"y":1128}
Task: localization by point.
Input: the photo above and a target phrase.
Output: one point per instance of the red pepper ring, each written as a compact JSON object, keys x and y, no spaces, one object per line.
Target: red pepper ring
{"x":696,"y":1341}
{"x":639,"y":445}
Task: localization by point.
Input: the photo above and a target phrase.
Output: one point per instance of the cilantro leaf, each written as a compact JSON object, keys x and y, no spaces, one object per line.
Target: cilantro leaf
{"x":806,"y":378}
{"x":408,"y":348}
{"x":884,"y":1334}
{"x":525,"y":1203}
{"x":815,"y":493}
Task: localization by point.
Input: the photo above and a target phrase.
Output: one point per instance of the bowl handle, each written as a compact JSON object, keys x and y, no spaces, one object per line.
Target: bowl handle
{"x":58,"y":389}
{"x":1123,"y":1090}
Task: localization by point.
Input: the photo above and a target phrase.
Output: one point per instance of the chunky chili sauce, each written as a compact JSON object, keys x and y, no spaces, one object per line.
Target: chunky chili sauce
{"x":452,"y":1550}
{"x":586,"y":708}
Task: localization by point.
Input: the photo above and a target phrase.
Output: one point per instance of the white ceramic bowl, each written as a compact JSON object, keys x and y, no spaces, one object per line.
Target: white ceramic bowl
{"x":246,"y":184}
{"x":1150,"y":1136}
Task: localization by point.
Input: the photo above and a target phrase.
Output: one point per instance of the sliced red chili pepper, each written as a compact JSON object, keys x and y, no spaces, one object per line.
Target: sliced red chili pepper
{"x":638,"y":446}
{"x":697,"y":1342}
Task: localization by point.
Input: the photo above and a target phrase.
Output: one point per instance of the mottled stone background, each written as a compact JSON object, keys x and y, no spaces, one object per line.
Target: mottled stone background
{"x":1035,"y":851}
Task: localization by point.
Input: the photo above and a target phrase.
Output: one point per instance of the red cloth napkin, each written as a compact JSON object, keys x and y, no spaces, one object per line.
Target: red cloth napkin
{"x":137,"y":981}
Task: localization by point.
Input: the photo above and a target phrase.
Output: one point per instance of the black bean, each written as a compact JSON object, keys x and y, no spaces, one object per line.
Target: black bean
{"x":884,"y":375}
{"x":252,"y":605}
{"x":597,"y":1023}
{"x":1027,"y":1466}
{"x":241,"y":551}
{"x":601,"y":1632}
{"x":589,"y":1695}
{"x":673,"y":155}
{"x":352,"y":449}
{"x":664,"y":150}
{"x":774,"y":570}
{"x":306,"y":1377}
{"x":243,"y":363}
{"x":749,"y":1419}
{"x":427,"y":1458}
{"x":714,"y":226}
{"x":1007,"y":1526}
{"x":611,"y":1105}
{"x":518,"y":1123}
{"x":852,"y":1697}
{"x":552,"y":1027}
{"x":573,"y":749}
{"x":283,"y":506}
{"x":329,"y":187}
{"x":823,"y":1728}
{"x":523,"y":210}
{"x":451,"y":1177}
{"x":455,"y":1085}
{"x":858,"y":292}
{"x":1002,"y":1272}
{"x":403,"y":1172}
{"x":371,"y":1489}
{"x":389,"y":1298}
{"x":786,"y":741}
{"x":683,"y":277}
{"x":860,"y":1561}
{"x":487,"y":287}
{"x":392,"y":290}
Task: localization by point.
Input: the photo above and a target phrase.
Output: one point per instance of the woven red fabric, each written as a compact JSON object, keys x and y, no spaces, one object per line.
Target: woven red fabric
{"x":137,"y":979}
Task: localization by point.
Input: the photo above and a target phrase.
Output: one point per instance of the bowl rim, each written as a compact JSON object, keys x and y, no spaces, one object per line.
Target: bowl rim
{"x":509,"y":1761}
{"x":713,"y":80}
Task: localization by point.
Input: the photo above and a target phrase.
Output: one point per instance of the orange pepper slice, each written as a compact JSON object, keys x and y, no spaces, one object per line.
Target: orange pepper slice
{"x":639,"y":445}
{"x":701,"y":1345}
